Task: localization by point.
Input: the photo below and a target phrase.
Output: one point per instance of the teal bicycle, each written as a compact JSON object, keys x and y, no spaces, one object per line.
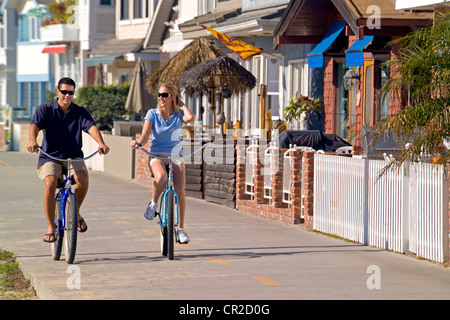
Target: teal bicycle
{"x":168,"y":205}
{"x":66,"y":213}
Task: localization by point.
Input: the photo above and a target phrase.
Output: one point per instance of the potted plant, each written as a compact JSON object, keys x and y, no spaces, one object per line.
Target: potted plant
{"x":300,"y":109}
{"x":59,"y":11}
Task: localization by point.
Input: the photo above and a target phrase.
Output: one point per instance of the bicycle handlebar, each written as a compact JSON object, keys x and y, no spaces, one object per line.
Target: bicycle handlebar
{"x":59,"y":159}
{"x":139,"y":146}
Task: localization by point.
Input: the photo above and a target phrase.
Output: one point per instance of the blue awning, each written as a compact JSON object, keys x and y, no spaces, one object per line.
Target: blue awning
{"x":315,"y":57}
{"x":354,"y":55}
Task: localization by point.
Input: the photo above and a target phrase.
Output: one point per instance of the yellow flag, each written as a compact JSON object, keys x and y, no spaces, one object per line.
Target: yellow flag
{"x":242,"y":49}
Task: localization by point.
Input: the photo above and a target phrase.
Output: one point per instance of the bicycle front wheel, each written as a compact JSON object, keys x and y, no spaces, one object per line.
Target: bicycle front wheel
{"x":58,"y":244}
{"x":170,"y":225}
{"x":163,"y":238}
{"x":70,"y":237}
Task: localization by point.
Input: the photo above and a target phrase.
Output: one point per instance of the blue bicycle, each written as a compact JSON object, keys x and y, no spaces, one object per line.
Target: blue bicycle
{"x":66,"y":213}
{"x":168,"y":205}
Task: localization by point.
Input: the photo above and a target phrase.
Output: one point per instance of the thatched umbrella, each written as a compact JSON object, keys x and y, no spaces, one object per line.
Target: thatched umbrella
{"x":196,"y":52}
{"x":222,"y":72}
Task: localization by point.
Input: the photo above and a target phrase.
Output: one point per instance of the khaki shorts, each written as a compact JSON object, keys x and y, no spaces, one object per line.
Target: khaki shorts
{"x":51,"y":168}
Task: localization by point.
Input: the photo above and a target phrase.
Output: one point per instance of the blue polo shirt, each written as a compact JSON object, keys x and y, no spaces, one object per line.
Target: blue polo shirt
{"x":166,"y":137}
{"x":62,"y":132}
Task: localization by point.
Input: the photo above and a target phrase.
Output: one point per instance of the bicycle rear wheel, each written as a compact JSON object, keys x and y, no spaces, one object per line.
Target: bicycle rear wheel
{"x":70,"y":237}
{"x":58,"y":244}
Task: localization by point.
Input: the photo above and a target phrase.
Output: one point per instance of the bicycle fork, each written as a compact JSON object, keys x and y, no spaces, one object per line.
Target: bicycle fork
{"x":61,"y":202}
{"x":163,"y":208}
{"x":61,"y":207}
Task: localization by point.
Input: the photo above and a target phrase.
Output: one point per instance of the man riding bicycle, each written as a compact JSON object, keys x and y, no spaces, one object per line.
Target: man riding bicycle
{"x":62,"y":123}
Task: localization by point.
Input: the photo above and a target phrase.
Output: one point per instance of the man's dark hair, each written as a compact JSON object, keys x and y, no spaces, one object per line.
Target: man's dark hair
{"x":67,"y":81}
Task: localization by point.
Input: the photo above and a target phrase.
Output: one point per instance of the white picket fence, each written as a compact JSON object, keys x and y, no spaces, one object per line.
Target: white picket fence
{"x":405,"y":210}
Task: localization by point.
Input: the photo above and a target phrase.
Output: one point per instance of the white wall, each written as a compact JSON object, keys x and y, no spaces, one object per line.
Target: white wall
{"x":37,"y":65}
{"x":409,"y":4}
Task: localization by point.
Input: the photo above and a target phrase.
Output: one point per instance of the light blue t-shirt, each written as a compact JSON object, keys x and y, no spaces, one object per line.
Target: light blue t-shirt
{"x":166,"y":137}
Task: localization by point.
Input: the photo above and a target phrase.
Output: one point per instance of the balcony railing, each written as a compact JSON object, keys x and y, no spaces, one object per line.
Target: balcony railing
{"x":60,"y":33}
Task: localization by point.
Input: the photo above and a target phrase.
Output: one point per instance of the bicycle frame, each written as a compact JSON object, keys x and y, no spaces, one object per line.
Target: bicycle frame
{"x":169,"y":186}
{"x":66,"y":188}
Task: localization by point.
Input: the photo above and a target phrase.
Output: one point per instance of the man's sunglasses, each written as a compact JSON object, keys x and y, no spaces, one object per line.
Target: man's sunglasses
{"x":64,"y":92}
{"x":163,"y":94}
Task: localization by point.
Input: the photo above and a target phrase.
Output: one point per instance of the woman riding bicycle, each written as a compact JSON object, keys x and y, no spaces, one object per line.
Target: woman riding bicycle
{"x":164,"y":123}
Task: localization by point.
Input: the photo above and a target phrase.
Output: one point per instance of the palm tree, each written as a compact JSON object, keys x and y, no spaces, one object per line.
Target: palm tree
{"x":422,"y":78}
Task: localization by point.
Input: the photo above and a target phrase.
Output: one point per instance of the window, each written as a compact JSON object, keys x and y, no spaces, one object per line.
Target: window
{"x":273,"y":86}
{"x":124,"y":15}
{"x":297,"y":84}
{"x":24,"y":30}
{"x":138,"y":12}
{"x":342,"y":112}
{"x":368,"y":93}
{"x":255,"y":105}
{"x":105,"y":2}
{"x":2,"y":31}
{"x":36,"y":93}
{"x":29,"y":28}
{"x":267,"y":71}
{"x":206,"y":6}
{"x":298,"y":78}
{"x":24,"y":87}
{"x":383,"y":102}
{"x":123,"y":78}
{"x":2,"y":36}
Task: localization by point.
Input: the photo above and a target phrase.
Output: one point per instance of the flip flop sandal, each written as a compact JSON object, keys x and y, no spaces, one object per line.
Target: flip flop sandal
{"x":50,"y":236}
{"x":80,"y":223}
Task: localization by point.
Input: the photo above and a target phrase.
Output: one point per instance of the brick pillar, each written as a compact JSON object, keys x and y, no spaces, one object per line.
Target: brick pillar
{"x":240,"y":172}
{"x":308,"y":188}
{"x":276,"y":179}
{"x":142,"y":173}
{"x":357,"y":150}
{"x":296,"y":183}
{"x":258,"y":175}
{"x":330,"y":93}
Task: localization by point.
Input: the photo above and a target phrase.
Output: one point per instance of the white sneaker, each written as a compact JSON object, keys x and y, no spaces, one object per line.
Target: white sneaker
{"x":150,"y":211}
{"x":182,"y":236}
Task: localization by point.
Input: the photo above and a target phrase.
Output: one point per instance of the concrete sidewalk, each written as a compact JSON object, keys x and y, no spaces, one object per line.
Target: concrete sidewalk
{"x":232,"y":255}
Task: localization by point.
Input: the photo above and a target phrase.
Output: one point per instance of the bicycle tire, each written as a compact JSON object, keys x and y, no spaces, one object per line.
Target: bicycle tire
{"x":163,"y":239}
{"x":58,"y":244}
{"x":70,"y":237}
{"x":170,"y":226}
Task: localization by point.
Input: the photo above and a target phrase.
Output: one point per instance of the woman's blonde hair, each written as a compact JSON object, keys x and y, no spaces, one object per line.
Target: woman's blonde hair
{"x":173,"y":90}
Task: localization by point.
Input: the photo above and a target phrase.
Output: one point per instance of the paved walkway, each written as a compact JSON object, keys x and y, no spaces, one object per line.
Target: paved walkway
{"x":232,"y":255}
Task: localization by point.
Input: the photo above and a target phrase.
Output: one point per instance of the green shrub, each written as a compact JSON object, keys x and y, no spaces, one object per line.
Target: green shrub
{"x":105,"y":103}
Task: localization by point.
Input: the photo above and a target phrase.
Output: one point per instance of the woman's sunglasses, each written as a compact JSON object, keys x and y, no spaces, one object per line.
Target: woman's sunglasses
{"x":64,"y":92}
{"x":163,"y":94}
